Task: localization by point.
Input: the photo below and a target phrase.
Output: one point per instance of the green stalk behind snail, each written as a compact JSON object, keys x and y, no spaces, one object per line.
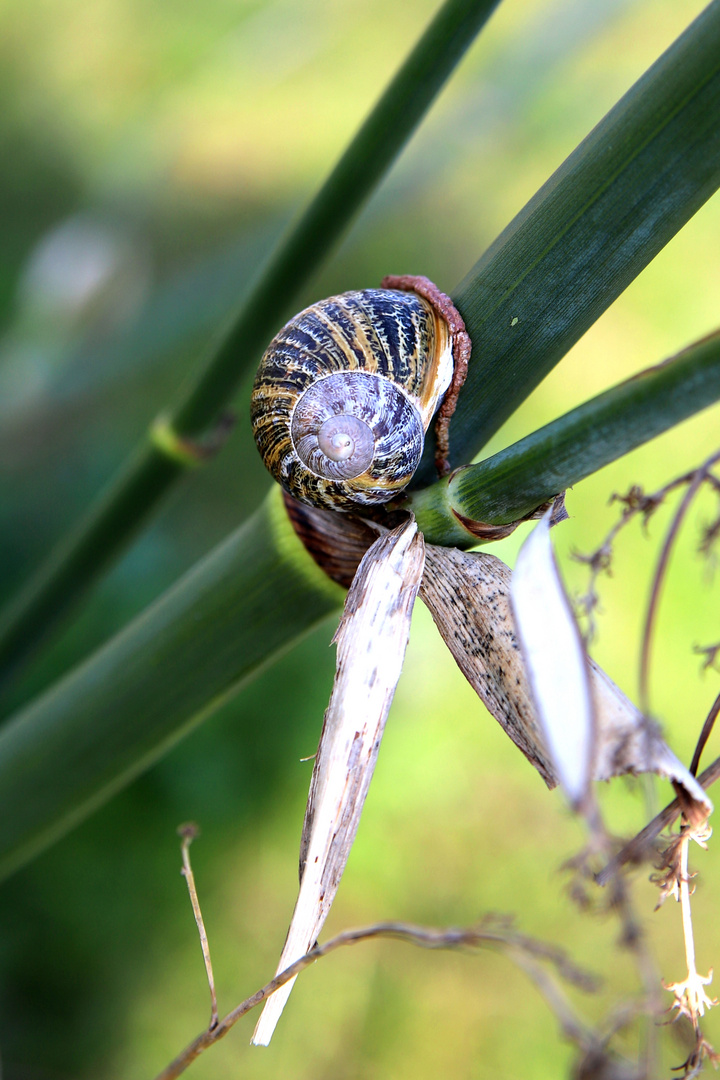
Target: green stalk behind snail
{"x":347,"y":389}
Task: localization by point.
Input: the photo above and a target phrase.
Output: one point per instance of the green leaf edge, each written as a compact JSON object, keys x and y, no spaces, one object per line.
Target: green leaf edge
{"x":234,"y":613}
{"x":512,"y":483}
{"x":595,"y":224}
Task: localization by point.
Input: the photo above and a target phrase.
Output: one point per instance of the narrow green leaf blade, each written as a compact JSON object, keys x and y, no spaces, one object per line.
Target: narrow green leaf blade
{"x":636,"y":179}
{"x":69,"y":751}
{"x":512,"y":483}
{"x":359,"y":170}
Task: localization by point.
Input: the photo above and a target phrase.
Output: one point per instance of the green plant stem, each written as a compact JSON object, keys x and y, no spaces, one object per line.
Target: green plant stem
{"x":90,"y":734}
{"x":511,"y":484}
{"x":106,"y":530}
{"x":30,"y":619}
{"x":359,"y":170}
{"x":636,"y":179}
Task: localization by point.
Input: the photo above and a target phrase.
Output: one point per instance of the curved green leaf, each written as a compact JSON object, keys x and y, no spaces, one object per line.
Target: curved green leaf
{"x":513,"y":483}
{"x":69,"y":751}
{"x":636,"y":179}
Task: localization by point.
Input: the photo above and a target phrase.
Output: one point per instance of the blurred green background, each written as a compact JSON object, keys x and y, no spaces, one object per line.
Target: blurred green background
{"x":152,"y":154}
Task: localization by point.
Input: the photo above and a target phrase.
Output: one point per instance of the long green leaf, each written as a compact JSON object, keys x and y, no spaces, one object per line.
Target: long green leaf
{"x":636,"y":179}
{"x":513,"y":483}
{"x":112,"y":522}
{"x":64,"y":755}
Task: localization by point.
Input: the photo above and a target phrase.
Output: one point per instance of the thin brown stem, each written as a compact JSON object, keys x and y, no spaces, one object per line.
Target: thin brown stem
{"x":632,"y":936}
{"x":491,"y":933}
{"x":696,"y":479}
{"x":705,"y":735}
{"x":635,"y":503}
{"x":188,"y":833}
{"x":657,"y":582}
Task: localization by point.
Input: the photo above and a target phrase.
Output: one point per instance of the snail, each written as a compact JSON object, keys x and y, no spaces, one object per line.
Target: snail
{"x":347,"y":389}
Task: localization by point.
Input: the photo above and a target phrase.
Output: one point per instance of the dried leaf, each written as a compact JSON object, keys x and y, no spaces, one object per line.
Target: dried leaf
{"x":556,"y":662}
{"x":371,"y":642}
{"x":468,"y":594}
{"x":630,"y":743}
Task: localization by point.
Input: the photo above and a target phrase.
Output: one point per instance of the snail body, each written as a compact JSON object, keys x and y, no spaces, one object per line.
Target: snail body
{"x":346,"y":391}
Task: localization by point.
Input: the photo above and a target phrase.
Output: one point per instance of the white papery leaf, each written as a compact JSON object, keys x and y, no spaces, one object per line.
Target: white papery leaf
{"x":556,"y":662}
{"x":627,"y":742}
{"x":371,"y":642}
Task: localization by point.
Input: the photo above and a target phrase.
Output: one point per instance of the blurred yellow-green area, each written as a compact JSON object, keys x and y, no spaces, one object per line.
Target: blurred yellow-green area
{"x":153,"y":152}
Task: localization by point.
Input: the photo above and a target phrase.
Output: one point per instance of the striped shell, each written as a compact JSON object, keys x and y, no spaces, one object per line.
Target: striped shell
{"x":345,"y":393}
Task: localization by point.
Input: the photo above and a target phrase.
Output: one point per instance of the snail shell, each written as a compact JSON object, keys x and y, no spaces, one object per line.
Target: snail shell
{"x":345,"y":393}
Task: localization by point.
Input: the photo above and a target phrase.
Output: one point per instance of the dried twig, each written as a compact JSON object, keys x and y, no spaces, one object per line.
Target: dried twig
{"x":639,"y":848}
{"x":492,"y":931}
{"x":632,"y":937}
{"x":690,"y":998}
{"x":711,"y":654}
{"x":560,"y":675}
{"x":188,"y":832}
{"x":635,"y":503}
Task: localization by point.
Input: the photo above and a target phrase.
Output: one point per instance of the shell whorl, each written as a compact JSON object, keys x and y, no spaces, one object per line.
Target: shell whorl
{"x":344,"y":395}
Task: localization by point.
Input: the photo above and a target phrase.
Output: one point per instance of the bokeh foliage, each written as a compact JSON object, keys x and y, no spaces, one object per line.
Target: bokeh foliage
{"x":197,"y":136}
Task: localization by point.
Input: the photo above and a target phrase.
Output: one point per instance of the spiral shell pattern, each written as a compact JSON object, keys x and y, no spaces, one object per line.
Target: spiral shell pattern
{"x":345,"y":393}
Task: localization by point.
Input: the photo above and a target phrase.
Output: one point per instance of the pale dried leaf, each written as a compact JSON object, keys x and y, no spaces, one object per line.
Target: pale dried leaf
{"x":630,"y":743}
{"x":468,"y":594}
{"x":556,"y":662}
{"x":371,"y":642}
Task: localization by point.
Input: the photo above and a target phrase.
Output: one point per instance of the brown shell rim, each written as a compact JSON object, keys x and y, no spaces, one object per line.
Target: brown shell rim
{"x":461,"y":351}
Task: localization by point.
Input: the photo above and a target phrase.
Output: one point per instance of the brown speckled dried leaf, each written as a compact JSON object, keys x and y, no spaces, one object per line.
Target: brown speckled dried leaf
{"x":469,"y":598}
{"x":468,"y":595}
